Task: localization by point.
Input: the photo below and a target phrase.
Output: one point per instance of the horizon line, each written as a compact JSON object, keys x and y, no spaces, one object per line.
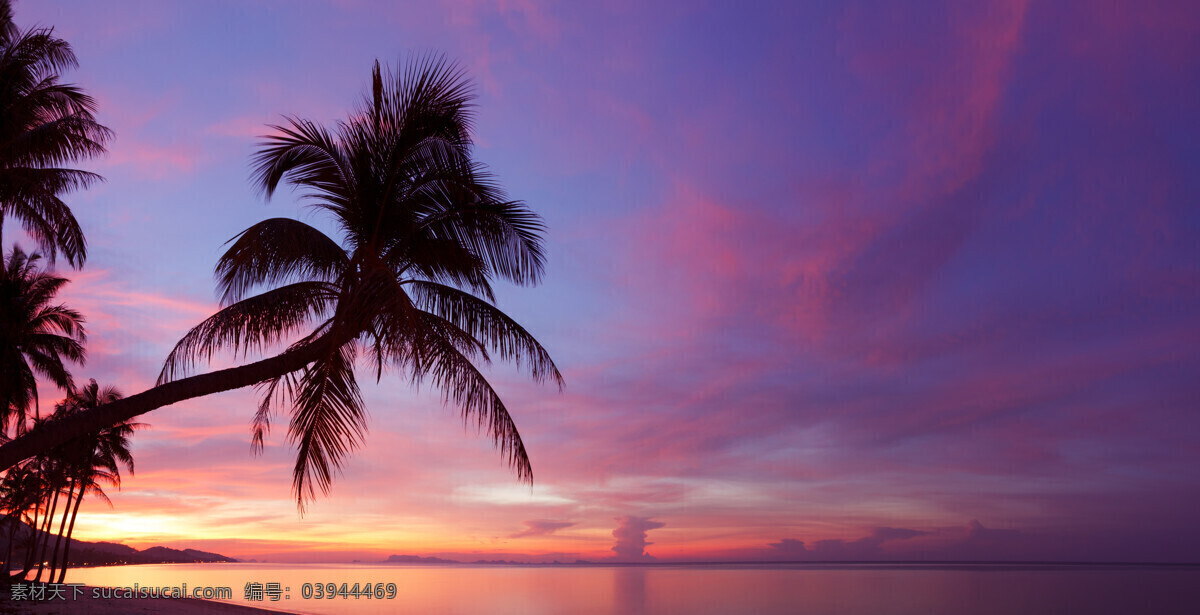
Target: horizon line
{"x":872,"y":563}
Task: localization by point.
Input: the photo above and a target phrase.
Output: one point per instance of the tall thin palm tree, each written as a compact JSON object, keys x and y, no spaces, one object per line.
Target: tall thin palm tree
{"x":423,"y":232}
{"x":44,"y":125}
{"x":88,"y":480}
{"x":53,"y":472}
{"x":36,"y":336}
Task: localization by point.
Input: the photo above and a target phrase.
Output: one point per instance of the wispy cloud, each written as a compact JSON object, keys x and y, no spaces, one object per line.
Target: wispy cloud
{"x":542,"y":527}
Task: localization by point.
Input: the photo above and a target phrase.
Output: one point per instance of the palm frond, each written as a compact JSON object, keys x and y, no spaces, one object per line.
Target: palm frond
{"x":56,"y":319}
{"x":64,"y":136}
{"x":431,"y":95}
{"x":276,"y":251}
{"x":446,"y":261}
{"x":506,"y":235}
{"x":36,"y":337}
{"x":464,"y":386}
{"x":46,"y":124}
{"x":273,"y":396}
{"x":41,"y":52}
{"x":48,"y":220}
{"x":485,"y":322}
{"x":328,"y":421}
{"x":307,"y":155}
{"x":251,"y":324}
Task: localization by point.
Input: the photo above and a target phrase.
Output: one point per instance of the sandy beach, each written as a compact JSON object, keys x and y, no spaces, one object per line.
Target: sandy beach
{"x":136,"y":606}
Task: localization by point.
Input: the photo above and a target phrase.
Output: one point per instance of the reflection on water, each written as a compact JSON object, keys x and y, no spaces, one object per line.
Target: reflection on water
{"x":653,"y":590}
{"x":629,"y":589}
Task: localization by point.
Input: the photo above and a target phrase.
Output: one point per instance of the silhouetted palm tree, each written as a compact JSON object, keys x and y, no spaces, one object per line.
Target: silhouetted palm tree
{"x":37,"y":480}
{"x":36,"y":336}
{"x":424,"y":232}
{"x":67,"y":474}
{"x":89,"y":462}
{"x":52,"y":471}
{"x":86,"y":479}
{"x":20,"y":499}
{"x":44,"y":125}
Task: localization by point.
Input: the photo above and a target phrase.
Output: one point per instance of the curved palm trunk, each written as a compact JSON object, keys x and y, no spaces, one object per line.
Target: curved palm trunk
{"x":46,"y":437}
{"x":62,"y":527}
{"x":66,"y":563}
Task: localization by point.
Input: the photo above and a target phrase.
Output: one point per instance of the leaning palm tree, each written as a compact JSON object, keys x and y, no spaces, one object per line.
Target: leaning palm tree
{"x":423,"y":233}
{"x":36,"y":336}
{"x":44,"y":125}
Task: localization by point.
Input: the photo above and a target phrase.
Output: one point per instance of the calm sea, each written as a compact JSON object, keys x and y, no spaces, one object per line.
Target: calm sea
{"x":693,"y":590}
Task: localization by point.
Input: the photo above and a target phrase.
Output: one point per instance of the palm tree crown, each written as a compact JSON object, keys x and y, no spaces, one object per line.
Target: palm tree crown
{"x":44,"y":125}
{"x":424,"y":231}
{"x":35,"y":336}
{"x":106,"y":449}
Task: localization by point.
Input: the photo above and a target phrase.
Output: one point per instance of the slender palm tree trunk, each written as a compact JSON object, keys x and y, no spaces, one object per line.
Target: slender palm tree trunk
{"x":14,"y":521}
{"x":45,"y":535}
{"x":13,"y":529}
{"x":46,"y":437}
{"x":62,"y":527}
{"x":31,"y":544}
{"x":66,"y":563}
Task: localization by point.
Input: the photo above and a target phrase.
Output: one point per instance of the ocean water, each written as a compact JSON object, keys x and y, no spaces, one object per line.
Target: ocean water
{"x":691,"y":589}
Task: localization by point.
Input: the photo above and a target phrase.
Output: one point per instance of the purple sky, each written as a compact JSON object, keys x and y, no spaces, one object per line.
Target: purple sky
{"x":846,"y":280}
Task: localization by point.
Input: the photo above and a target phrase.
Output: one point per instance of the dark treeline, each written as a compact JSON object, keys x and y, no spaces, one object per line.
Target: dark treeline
{"x":41,"y":496}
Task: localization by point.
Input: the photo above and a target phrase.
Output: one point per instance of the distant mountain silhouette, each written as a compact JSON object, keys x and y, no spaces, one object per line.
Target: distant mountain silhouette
{"x":417,"y":559}
{"x":111,"y":553}
{"x":167,"y":555}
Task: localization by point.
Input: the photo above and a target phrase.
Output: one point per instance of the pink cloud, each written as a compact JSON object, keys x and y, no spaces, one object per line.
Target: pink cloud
{"x":245,"y":127}
{"x":130,"y":331}
{"x":542,"y":527}
{"x":98,"y":294}
{"x":523,"y":17}
{"x":154,"y":161}
{"x":942,"y":88}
